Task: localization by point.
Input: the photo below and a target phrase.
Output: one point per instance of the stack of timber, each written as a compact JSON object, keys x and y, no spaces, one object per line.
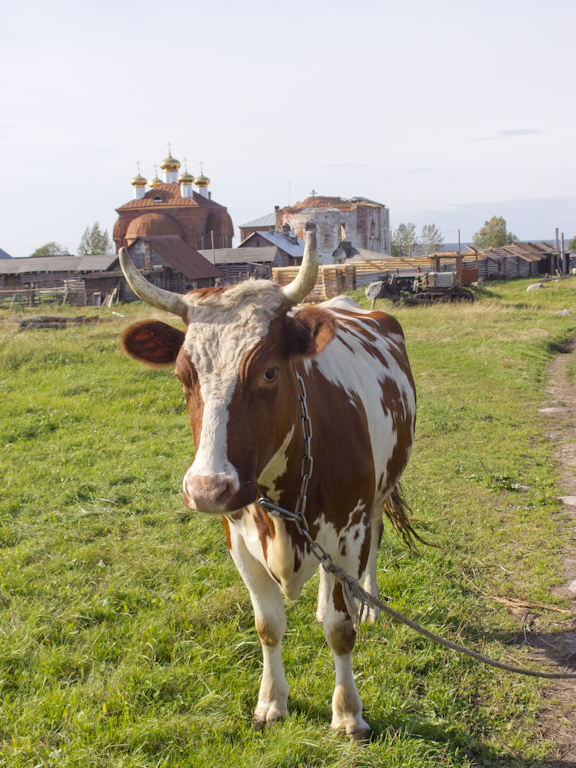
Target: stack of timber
{"x":515,"y":260}
{"x":333,"y":279}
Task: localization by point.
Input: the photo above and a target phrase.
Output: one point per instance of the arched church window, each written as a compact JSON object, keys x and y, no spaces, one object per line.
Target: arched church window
{"x":341,"y":232}
{"x":372,"y":230}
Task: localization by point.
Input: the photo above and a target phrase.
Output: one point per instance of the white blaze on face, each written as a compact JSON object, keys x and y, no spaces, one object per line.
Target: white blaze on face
{"x":221,"y":328}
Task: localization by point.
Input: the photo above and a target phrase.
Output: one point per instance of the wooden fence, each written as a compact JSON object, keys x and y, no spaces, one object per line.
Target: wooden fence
{"x":72,"y":292}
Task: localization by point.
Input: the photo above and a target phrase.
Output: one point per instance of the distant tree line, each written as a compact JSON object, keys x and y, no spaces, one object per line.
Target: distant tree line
{"x":406,"y":242}
{"x":94,"y":242}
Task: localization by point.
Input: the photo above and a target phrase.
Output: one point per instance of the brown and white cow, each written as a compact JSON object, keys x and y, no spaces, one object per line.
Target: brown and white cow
{"x":238,"y":361}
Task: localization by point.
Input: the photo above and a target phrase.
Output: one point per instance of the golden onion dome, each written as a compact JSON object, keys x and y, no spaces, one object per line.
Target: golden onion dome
{"x":170,"y":163}
{"x":201,"y":181}
{"x":185,"y":178}
{"x":139,"y":181}
{"x":155,"y":182}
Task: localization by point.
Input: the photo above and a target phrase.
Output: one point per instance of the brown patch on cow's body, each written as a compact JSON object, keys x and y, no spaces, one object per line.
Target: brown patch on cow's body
{"x":265,"y":528}
{"x":227,"y":532}
{"x":341,"y":636}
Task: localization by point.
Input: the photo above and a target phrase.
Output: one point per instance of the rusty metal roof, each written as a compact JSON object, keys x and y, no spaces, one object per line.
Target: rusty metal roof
{"x":183,"y":257}
{"x":167,"y":196}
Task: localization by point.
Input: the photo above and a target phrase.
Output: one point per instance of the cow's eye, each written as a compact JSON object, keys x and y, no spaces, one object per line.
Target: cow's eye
{"x":271,"y":374}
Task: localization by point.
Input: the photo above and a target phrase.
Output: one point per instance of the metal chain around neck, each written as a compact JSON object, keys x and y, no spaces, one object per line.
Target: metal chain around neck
{"x":299,"y":514}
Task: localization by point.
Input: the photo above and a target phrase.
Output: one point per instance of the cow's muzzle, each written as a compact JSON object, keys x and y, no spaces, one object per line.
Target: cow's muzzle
{"x":213,"y":494}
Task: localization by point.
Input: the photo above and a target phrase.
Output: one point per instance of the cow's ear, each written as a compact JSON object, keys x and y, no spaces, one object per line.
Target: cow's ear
{"x":309,"y":331}
{"x":152,"y":342}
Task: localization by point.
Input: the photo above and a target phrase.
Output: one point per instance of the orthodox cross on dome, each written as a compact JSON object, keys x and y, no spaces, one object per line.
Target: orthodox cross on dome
{"x":186,"y":164}
{"x":169,"y":148}
{"x":201,"y":167}
{"x":139,"y":184}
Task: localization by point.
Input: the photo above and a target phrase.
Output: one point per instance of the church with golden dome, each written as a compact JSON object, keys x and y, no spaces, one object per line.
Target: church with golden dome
{"x":178,"y":205}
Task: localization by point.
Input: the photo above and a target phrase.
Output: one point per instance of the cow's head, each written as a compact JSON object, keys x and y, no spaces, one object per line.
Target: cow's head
{"x":236,"y":363}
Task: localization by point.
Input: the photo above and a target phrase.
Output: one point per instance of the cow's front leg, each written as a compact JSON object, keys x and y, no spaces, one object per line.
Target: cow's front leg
{"x":270,"y":624}
{"x":340,"y":634}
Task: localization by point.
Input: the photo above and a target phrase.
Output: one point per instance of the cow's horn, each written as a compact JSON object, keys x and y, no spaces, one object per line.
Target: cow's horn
{"x":305,"y":280}
{"x":151,"y":294}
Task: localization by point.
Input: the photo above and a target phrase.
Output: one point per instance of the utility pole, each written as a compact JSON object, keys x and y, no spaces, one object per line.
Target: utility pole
{"x":213,"y":251}
{"x":556,"y":239}
{"x":458,"y":241}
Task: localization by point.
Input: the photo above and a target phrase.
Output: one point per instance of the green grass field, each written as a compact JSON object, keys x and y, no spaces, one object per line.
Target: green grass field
{"x":126,"y":636}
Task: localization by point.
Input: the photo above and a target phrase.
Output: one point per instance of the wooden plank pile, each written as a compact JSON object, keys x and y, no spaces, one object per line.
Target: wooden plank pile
{"x":333,"y":279}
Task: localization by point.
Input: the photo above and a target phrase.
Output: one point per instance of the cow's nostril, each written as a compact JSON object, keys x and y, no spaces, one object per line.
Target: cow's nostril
{"x":224,"y":496}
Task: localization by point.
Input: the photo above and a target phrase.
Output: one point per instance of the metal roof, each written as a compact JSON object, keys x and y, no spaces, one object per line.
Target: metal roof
{"x":528,"y":251}
{"x":183,"y":257}
{"x":4,"y":255}
{"x":281,"y":241}
{"x":170,"y":196}
{"x":264,"y":221}
{"x":241,"y":255}
{"x":57,"y":264}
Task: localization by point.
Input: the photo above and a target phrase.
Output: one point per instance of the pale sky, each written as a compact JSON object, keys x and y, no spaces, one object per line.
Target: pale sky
{"x":446,"y":112}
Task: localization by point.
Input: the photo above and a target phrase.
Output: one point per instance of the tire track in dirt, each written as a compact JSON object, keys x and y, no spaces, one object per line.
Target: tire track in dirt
{"x":555,"y":639}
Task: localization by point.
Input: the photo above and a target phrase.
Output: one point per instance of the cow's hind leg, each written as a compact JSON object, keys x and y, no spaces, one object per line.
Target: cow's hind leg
{"x":340,"y":634}
{"x":270,"y":624}
{"x":370,"y":585}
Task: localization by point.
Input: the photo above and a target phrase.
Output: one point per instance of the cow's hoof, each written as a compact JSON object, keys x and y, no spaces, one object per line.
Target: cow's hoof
{"x":258,"y":723}
{"x":266,"y":718}
{"x":372,"y":615}
{"x":361,"y":734}
{"x":359,"y":731}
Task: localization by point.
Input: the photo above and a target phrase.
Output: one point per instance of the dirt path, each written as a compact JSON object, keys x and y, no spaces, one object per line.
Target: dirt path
{"x":555,"y":639}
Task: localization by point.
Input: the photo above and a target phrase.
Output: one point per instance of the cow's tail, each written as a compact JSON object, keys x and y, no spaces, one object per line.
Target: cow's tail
{"x":397,"y":510}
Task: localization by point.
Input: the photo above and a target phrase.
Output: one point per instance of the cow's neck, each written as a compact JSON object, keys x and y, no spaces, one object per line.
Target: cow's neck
{"x":280,"y":480}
